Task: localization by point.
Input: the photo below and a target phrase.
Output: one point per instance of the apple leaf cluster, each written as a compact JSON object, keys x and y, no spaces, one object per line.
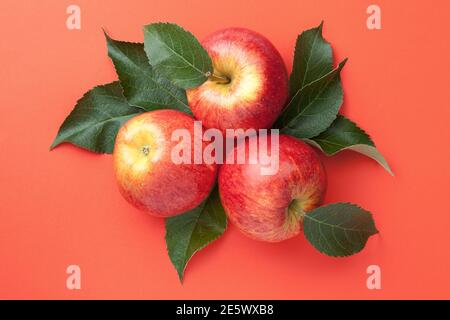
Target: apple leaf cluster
{"x":312,"y":114}
{"x":152,"y":75}
{"x":316,"y":95}
{"x":155,"y":75}
{"x":142,"y":85}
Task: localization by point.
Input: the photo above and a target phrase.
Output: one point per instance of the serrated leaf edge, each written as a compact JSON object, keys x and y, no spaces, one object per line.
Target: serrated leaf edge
{"x":319,"y":28}
{"x":279,"y":122}
{"x":181,"y":274}
{"x":57,"y":143}
{"x":353,"y":253}
{"x":186,"y":105}
{"x":337,"y":69}
{"x":380,"y":159}
{"x":205,"y":74}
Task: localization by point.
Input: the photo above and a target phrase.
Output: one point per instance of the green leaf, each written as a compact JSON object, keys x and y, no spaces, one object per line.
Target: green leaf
{"x":312,"y":109}
{"x":96,"y":118}
{"x":142,"y":85}
{"x":192,"y":231}
{"x":313,"y":58}
{"x":339,"y":229}
{"x":177,"y":54}
{"x":344,"y":134}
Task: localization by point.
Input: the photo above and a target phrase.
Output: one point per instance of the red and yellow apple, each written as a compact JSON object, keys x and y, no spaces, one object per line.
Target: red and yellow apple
{"x":272,"y":207}
{"x":145,"y":172}
{"x":249,"y":85}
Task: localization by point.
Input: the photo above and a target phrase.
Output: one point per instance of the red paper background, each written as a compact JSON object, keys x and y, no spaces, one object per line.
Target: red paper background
{"x":63,"y":207}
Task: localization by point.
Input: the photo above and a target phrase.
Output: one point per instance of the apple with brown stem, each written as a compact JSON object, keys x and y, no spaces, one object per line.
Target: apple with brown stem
{"x":272,"y":207}
{"x":249,"y":85}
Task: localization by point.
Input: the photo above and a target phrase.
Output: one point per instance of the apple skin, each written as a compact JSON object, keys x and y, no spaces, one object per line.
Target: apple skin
{"x":258,"y":82}
{"x":147,"y":176}
{"x":271,"y":207}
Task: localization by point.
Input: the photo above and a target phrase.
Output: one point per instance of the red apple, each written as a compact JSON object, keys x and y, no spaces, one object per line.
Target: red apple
{"x":271,"y":207}
{"x":145,"y":172}
{"x":249,"y":85}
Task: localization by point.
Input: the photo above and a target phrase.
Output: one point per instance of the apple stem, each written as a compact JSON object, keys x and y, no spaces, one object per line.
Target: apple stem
{"x":296,"y":211}
{"x":218,"y":79}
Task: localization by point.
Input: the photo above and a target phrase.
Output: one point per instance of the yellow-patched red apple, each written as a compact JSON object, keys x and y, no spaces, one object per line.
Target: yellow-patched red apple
{"x":272,"y":207}
{"x":249,"y":85}
{"x":146,"y":173}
